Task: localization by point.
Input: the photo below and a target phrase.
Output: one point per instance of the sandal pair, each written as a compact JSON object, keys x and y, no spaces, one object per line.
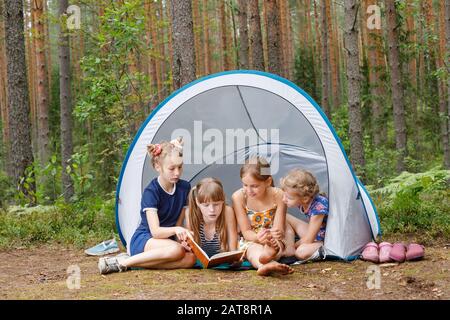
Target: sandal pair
{"x":377,"y":253}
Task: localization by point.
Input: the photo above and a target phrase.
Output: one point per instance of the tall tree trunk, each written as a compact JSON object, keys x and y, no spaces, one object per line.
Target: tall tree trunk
{"x":256,"y":47}
{"x":235,"y":45}
{"x":19,"y":105}
{"x":397,"y":90}
{"x":151,"y":58}
{"x":169,"y":18}
{"x":273,"y":38}
{"x":42,"y":82}
{"x":290,"y":44}
{"x":183,"y":68}
{"x":65,"y":100}
{"x":155,"y":50}
{"x":243,"y":34}
{"x":3,"y":96}
{"x":197,"y":32}
{"x":226,"y":63}
{"x":443,"y":90}
{"x":318,"y":47}
{"x":206,"y":53}
{"x":447,"y":38}
{"x":376,"y":66}
{"x":282,"y":42}
{"x":162,"y":46}
{"x":325,"y":60}
{"x":354,"y":80}
{"x":30,"y":55}
{"x":332,"y":56}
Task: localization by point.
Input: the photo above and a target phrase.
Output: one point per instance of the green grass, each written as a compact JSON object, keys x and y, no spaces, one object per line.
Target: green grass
{"x":80,"y":224}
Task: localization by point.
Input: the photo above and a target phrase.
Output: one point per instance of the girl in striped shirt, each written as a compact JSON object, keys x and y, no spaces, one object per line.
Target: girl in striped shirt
{"x":211,"y":221}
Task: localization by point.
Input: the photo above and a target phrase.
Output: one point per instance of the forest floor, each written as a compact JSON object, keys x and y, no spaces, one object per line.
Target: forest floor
{"x":41,"y":273}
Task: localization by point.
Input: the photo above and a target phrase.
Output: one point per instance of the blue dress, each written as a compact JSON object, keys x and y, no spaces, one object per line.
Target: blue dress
{"x":319,"y":206}
{"x":169,"y":206}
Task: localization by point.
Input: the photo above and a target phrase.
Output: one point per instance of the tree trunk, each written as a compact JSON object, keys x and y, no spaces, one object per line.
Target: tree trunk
{"x":3,"y":96}
{"x":65,"y":100}
{"x":197,"y":32}
{"x":169,"y":18}
{"x":325,"y":60}
{"x":162,"y":46}
{"x":183,"y":68}
{"x":243,"y":34}
{"x":443,"y":89}
{"x":19,"y":105}
{"x":282,"y":42}
{"x":376,"y":87}
{"x":290,"y":44}
{"x":42,"y":91}
{"x":354,"y":80}
{"x":257,"y":55}
{"x":206,"y":52}
{"x":318,"y":47}
{"x":447,"y":37}
{"x":226,"y":63}
{"x":397,"y":90}
{"x":151,"y":64}
{"x":273,"y":38}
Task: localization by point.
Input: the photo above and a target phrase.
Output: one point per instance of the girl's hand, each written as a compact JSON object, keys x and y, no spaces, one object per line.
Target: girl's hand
{"x":181,"y":233}
{"x":277,"y":233}
{"x":263,"y":236}
{"x":185,"y":245}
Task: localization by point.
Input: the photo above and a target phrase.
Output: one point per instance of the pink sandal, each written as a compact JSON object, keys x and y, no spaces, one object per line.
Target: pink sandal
{"x":385,"y":250}
{"x":398,"y":252}
{"x":415,"y":252}
{"x":370,"y":252}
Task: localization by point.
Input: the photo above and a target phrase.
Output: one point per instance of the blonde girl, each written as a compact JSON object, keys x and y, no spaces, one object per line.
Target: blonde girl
{"x":301,"y":190}
{"x":163,"y":204}
{"x":211,"y":221}
{"x":261,"y":216}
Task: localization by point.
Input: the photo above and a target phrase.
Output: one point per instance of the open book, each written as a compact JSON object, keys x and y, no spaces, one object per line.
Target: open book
{"x":215,"y":260}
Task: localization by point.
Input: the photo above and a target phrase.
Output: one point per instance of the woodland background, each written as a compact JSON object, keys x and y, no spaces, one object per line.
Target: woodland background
{"x":72,"y":99}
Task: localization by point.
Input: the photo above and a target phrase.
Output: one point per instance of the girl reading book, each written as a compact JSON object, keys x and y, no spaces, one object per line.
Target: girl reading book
{"x":261,"y":216}
{"x":211,"y":221}
{"x":163,"y":203}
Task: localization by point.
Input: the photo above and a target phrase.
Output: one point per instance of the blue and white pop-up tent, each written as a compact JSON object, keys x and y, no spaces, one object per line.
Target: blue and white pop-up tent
{"x":227,"y":117}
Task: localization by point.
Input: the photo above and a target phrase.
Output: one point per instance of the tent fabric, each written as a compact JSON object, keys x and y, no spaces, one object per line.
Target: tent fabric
{"x":280,"y":121}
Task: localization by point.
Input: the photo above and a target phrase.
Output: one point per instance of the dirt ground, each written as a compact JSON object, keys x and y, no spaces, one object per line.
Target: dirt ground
{"x":41,"y":273}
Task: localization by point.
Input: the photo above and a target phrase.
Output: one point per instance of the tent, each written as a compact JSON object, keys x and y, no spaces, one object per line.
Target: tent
{"x":224,"y":118}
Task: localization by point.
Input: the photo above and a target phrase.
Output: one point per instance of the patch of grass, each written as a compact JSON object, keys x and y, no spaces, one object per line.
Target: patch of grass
{"x":80,"y":224}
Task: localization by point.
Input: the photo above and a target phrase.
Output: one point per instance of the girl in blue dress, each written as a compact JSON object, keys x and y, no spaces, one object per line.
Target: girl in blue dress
{"x":154,"y":244}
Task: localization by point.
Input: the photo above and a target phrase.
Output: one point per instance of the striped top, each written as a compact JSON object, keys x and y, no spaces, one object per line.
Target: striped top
{"x":211,"y":247}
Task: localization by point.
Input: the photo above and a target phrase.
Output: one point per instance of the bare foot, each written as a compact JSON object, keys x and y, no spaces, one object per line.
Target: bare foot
{"x":274,"y":267}
{"x":267,"y":255}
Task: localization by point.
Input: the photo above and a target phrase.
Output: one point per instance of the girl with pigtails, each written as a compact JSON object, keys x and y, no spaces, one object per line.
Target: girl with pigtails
{"x":154,"y":244}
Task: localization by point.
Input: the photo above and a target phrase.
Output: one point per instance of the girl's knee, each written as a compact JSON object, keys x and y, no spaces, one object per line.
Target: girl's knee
{"x":189,"y":260}
{"x":176,"y":252}
{"x":301,"y":253}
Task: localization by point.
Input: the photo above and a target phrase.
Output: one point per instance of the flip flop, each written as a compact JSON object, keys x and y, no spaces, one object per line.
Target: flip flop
{"x":398,"y":252}
{"x":385,"y":250}
{"x":415,"y":252}
{"x":370,"y":252}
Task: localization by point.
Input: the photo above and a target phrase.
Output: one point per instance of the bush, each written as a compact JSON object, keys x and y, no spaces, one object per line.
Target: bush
{"x":81,"y":224}
{"x":416,"y":203}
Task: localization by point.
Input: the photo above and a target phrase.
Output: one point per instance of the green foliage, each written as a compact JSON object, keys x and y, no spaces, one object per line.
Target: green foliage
{"x":416,"y":203}
{"x":112,"y":92}
{"x":81,"y":224}
{"x":305,"y":72}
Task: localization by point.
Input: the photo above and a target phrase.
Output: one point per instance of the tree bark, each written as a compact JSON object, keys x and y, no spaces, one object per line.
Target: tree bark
{"x":243,"y":34}
{"x":325,"y":60}
{"x":376,"y":65}
{"x":444,"y":97}
{"x":197,"y":32}
{"x":206,"y":53}
{"x":273,"y":38}
{"x":3,"y":96}
{"x":42,"y":82}
{"x":183,"y":68}
{"x":257,"y":55}
{"x":397,"y":90}
{"x":65,"y":100}
{"x":354,"y":80}
{"x":19,"y":106}
{"x":226,"y":63}
{"x":447,"y":37}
